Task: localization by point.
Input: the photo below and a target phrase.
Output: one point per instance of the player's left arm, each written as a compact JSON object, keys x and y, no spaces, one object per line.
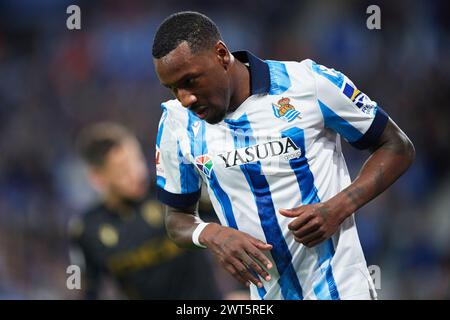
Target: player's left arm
{"x":362,"y":123}
{"x":390,"y":158}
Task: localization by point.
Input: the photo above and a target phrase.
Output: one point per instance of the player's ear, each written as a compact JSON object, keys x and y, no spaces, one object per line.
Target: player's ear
{"x":223,"y":54}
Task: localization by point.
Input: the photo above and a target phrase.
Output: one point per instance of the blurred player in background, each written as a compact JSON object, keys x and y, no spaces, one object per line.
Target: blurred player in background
{"x":265,"y":138}
{"x":123,"y":237}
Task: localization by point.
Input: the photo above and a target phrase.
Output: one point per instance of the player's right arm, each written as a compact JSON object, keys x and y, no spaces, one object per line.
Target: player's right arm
{"x":236,"y":251}
{"x":179,"y":187}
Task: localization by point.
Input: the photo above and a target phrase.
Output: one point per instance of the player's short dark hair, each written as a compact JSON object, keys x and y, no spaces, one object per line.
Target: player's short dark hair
{"x":199,"y":31}
{"x":96,"y":141}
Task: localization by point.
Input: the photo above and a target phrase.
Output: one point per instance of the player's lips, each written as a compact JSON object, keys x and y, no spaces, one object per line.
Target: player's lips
{"x":201,"y":112}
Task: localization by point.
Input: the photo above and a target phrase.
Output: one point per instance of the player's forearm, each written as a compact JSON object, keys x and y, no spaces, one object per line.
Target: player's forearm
{"x":389,"y":160}
{"x":180,"y":224}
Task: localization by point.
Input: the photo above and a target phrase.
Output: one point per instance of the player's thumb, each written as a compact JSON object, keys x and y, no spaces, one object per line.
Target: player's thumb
{"x":290,"y":213}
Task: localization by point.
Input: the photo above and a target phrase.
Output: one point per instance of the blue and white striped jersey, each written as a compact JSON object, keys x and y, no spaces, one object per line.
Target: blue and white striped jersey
{"x":279,"y":149}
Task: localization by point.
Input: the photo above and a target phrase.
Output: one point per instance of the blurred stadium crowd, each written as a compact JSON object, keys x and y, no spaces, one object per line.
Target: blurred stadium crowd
{"x":54,"y":81}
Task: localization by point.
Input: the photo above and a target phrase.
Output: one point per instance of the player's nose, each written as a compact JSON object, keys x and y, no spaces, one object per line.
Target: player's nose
{"x":186,"y":98}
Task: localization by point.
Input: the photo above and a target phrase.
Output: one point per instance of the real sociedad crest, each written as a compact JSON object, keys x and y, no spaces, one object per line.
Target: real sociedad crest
{"x":285,"y":110}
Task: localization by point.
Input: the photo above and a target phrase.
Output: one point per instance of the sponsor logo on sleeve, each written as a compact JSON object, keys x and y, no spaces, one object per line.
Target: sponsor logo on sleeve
{"x":361,"y":100}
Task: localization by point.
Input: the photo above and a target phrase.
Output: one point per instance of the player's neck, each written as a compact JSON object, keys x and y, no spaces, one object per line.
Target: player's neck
{"x":241,"y":85}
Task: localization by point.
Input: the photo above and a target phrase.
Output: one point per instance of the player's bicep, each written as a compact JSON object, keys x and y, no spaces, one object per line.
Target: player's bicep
{"x":347,"y":110}
{"x":394,"y":139}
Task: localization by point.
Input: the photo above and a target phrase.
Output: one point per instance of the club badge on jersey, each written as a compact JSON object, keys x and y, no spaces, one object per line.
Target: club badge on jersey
{"x":284,"y":110}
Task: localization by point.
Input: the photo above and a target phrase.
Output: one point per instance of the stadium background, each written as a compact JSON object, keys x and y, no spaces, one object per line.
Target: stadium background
{"x":54,"y":81}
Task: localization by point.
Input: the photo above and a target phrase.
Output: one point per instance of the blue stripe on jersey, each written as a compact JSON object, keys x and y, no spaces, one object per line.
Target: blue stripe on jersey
{"x":338,"y":124}
{"x":325,"y":252}
{"x":309,"y":194}
{"x":334,"y":76}
{"x":189,"y":178}
{"x":161,"y":125}
{"x":224,"y":201}
{"x":198,"y":148}
{"x":161,"y":181}
{"x":242,"y":138}
{"x":261,"y":291}
{"x":288,"y":281}
{"x":196,"y":138}
{"x":279,"y":78}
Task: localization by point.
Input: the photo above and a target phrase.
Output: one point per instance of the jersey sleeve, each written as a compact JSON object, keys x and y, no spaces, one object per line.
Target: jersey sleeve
{"x":178,"y":183}
{"x":347,"y":110}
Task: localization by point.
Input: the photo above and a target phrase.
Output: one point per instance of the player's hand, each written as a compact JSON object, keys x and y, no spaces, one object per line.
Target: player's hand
{"x":313,"y":223}
{"x":238,"y":252}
